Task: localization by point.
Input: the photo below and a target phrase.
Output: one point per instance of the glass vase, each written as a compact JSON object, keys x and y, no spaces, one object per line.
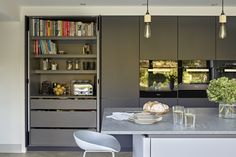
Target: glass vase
{"x":227,"y":110}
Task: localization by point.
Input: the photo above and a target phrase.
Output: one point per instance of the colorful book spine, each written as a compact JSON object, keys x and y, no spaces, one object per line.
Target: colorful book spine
{"x":59,"y":28}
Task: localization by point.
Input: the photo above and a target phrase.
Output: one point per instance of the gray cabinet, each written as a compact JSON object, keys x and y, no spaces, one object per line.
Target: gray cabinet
{"x":196,"y":102}
{"x":196,"y":38}
{"x":163,"y":42}
{"x":226,"y":48}
{"x":120,"y":61}
{"x":120,"y":65}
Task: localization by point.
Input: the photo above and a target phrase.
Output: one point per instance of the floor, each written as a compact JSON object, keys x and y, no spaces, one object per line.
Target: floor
{"x":63,"y":154}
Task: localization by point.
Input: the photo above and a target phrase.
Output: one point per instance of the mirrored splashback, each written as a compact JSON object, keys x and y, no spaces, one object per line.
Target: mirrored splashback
{"x":225,"y":68}
{"x":195,"y":71}
{"x":170,"y":75}
{"x":158,"y":74}
{"x":181,"y":78}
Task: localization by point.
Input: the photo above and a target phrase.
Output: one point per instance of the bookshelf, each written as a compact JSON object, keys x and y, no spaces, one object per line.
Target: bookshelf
{"x":63,"y":56}
{"x":64,"y":71}
{"x":66,"y":56}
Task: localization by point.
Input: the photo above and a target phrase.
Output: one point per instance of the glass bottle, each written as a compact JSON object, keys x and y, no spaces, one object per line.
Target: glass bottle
{"x":77,"y":65}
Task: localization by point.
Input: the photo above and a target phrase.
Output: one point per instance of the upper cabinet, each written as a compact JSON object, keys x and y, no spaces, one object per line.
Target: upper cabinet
{"x":196,"y":38}
{"x":163,"y":42}
{"x":120,"y":61}
{"x":226,"y":48}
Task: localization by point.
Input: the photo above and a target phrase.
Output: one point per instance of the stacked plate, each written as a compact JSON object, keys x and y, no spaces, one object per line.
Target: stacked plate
{"x":145,"y":118}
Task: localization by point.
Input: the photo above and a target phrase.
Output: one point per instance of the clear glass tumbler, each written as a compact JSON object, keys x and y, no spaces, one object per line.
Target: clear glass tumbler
{"x":189,"y":117}
{"x":178,"y":115}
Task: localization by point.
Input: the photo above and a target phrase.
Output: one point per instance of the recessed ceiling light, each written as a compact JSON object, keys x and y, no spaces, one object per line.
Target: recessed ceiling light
{"x":214,"y":4}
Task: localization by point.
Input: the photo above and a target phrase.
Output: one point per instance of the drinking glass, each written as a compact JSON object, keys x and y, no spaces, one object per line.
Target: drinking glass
{"x":189,"y":117}
{"x":178,"y":115}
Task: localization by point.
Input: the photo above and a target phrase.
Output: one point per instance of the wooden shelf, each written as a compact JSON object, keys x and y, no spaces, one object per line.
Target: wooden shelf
{"x":63,"y":97}
{"x":63,"y":37}
{"x":64,"y":71}
{"x":66,"y":56}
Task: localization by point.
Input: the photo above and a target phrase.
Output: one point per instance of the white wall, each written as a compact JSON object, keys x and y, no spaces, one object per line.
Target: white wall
{"x":12,"y":60}
{"x":9,"y":10}
{"x":11,"y":85}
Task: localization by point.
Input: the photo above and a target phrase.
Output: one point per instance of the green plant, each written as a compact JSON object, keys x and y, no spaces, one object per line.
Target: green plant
{"x":222,"y":90}
{"x":172,"y":77}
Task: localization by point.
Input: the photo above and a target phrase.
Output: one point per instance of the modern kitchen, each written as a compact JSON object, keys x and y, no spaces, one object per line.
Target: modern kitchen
{"x":157,"y":79}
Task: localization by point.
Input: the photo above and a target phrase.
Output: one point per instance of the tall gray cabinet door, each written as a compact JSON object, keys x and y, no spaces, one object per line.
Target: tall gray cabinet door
{"x":196,"y":39}
{"x":163,"y":42}
{"x":120,"y":61}
{"x":226,"y":48}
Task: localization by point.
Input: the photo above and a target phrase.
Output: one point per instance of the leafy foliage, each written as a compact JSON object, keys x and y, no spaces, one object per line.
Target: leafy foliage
{"x":222,"y":90}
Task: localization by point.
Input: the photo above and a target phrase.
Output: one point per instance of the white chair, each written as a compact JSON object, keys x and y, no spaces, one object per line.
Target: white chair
{"x":91,"y":141}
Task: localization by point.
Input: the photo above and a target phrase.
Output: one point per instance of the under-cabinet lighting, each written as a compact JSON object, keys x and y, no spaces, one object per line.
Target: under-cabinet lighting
{"x":159,"y":70}
{"x":197,"y":70}
{"x":230,"y":70}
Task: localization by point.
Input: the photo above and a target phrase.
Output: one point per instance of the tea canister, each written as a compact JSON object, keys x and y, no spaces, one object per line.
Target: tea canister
{"x":69,"y":65}
{"x":54,"y":66}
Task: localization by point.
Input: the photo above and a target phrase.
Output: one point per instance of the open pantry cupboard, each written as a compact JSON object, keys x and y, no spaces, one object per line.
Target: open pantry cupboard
{"x":62,"y":76}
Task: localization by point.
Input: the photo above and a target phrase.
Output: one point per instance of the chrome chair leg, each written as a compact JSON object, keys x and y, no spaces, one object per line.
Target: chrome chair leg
{"x":84,"y":154}
{"x":113,"y":154}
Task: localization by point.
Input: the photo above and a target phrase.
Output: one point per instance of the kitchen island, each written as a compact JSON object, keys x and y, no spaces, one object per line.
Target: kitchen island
{"x":212,"y":136}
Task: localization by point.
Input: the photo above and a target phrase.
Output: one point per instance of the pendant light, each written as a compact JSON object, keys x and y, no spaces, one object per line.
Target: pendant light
{"x":222,"y":21}
{"x":147,"y":22}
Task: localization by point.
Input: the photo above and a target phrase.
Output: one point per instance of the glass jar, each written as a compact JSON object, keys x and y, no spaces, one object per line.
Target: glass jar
{"x":46,"y":64}
{"x":77,"y":65}
{"x":69,"y":65}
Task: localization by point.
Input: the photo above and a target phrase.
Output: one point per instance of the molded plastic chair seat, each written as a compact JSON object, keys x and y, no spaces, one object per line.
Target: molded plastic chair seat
{"x":91,"y":141}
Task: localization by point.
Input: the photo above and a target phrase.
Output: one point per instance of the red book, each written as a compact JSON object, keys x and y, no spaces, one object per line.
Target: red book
{"x":36,"y":47}
{"x":64,"y":28}
{"x":68,"y":29}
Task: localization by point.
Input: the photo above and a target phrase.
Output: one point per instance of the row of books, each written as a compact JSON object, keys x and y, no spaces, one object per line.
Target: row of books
{"x":49,"y":28}
{"x":44,"y":47}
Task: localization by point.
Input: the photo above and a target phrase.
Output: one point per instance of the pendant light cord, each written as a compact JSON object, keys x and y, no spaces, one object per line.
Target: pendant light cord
{"x":147,"y":8}
{"x":222,"y":6}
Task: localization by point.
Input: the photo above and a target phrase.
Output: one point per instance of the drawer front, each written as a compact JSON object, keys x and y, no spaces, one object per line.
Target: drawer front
{"x":62,"y":104}
{"x":52,"y":137}
{"x":73,"y":119}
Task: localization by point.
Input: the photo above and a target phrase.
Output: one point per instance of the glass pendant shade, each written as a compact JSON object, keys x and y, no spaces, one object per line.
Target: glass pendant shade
{"x":222,"y":32}
{"x":147,"y":30}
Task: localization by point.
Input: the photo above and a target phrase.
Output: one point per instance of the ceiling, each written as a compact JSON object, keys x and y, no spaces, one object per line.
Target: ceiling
{"x":124,"y":2}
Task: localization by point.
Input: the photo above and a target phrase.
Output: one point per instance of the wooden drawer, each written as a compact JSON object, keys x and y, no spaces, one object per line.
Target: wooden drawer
{"x":52,"y":137}
{"x":73,"y":119}
{"x":62,"y":104}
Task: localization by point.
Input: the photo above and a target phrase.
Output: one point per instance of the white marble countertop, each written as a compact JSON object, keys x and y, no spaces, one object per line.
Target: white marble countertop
{"x":207,"y":123}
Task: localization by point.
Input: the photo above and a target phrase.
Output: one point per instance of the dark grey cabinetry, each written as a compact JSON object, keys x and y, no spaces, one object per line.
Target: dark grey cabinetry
{"x":196,"y":39}
{"x":163,"y":43}
{"x":226,"y":48}
{"x":120,"y":61}
{"x":120,"y":66}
